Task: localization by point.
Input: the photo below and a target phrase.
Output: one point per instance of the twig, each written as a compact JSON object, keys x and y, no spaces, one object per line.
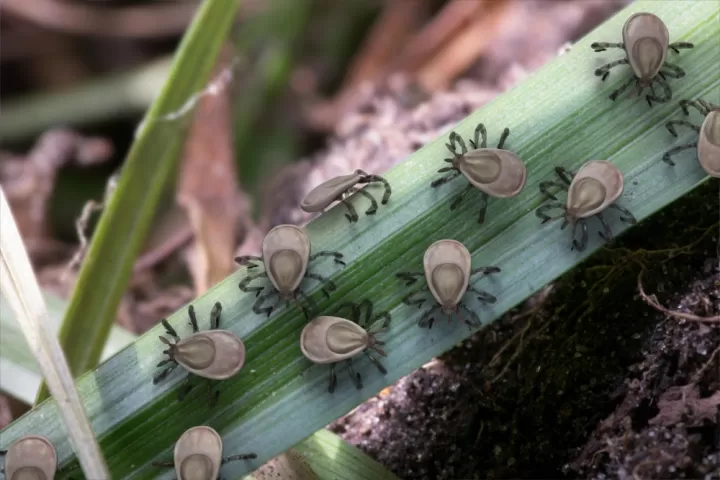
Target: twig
{"x":653,"y":302}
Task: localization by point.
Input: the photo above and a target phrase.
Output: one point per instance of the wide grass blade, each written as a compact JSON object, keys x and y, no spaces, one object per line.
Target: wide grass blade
{"x":147,"y":170}
{"x":560,"y":116}
{"x":20,"y":287}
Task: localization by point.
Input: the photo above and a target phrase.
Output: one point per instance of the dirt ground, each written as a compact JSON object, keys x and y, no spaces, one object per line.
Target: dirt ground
{"x":584,"y":381}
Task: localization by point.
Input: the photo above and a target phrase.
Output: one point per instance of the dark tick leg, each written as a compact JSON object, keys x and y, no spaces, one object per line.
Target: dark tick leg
{"x":455,"y":138}
{"x":503,"y":137}
{"x":376,"y":178}
{"x":677,"y":45}
{"x":327,"y":253}
{"x":460,"y":196}
{"x":193,"y":319}
{"x":602,"y":46}
{"x":377,"y":363}
{"x":259,"y":309}
{"x":354,"y":375}
{"x":185,"y":388}
{"x":245,"y":260}
{"x":162,"y":375}
{"x":544,"y":186}
{"x":579,"y":246}
{"x":440,"y":181}
{"x":239,"y":456}
{"x":672,"y":71}
{"x":407,"y":299}
{"x":310,"y":301}
{"x":540,"y":212}
{"x":170,"y":330}
{"x":246,"y":281}
{"x":604,"y":71}
{"x":427,"y":319}
{"x":666,"y":90}
{"x":671,"y":126}
{"x":352,"y":215}
{"x":482,"y":295}
{"x":373,"y":203}
{"x":329,"y":284}
{"x":409,"y":277}
{"x":333,"y":379}
{"x":215,"y":316}
{"x":606,"y":234}
{"x":483,"y":207}
{"x":622,"y":88}
{"x":565,"y":175}
{"x":629,"y":217}
{"x":212,"y":396}
{"x":479,"y":131}
{"x":666,"y":158}
{"x":484,"y":271}
{"x":699,"y":105}
{"x":385,"y":324}
{"x":475,"y":322}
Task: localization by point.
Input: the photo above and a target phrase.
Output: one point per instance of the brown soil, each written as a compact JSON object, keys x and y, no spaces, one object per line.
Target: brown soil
{"x":585,"y":380}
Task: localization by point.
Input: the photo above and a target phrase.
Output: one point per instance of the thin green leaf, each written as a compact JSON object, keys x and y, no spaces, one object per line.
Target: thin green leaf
{"x":149,"y":166}
{"x":20,"y":287}
{"x":559,"y":116}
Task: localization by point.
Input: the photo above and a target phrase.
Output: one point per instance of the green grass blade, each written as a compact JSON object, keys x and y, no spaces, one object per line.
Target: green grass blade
{"x":125,"y":222}
{"x":559,"y":116}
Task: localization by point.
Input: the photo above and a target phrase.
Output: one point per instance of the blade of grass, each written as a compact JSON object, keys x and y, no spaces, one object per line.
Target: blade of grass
{"x":20,"y":375}
{"x":146,"y":172}
{"x":559,"y":116}
{"x":20,"y":287}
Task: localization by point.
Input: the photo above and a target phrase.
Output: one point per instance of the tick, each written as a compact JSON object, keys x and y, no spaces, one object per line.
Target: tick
{"x":447,"y":271}
{"x":646,"y":44}
{"x":496,"y":172}
{"x":330,"y":340}
{"x":708,"y":143}
{"x":340,"y":188}
{"x":198,"y":455}
{"x":30,"y":458}
{"x":285,"y":255}
{"x":593,"y":189}
{"x":212,"y":355}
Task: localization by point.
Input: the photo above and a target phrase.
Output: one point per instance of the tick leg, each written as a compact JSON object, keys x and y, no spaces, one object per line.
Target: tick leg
{"x":629,"y":217}
{"x":483,"y":207}
{"x":672,"y":71}
{"x":460,"y":196}
{"x":407,"y":299}
{"x":579,"y":246}
{"x":671,"y":126}
{"x":544,"y":186}
{"x":385,"y":324}
{"x":479,"y":131}
{"x":666,"y":158}
{"x":456,"y":138}
{"x":352,"y":215}
{"x":606,"y":234}
{"x":503,"y":137}
{"x":310,"y":301}
{"x":373,"y":203}
{"x":475,"y":319}
{"x":356,"y":378}
{"x":170,"y":330}
{"x":482,"y":295}
{"x":427,"y":318}
{"x":259,"y":309}
{"x":185,"y":388}
{"x":440,"y":181}
{"x":327,"y":283}
{"x":540,"y":212}
{"x":409,"y":277}
{"x":333,"y":379}
{"x":246,"y":281}
{"x":245,"y":260}
{"x":377,"y":363}
{"x":327,"y":253}
{"x":666,"y":90}
{"x":239,"y":456}
{"x":677,"y":45}
{"x":622,"y":88}
{"x":699,"y":105}
{"x":565,"y":175}
{"x":193,"y":319}
{"x":604,"y":71}
{"x":162,"y":375}
{"x":215,"y":316}
{"x":376,"y":178}
{"x":212,"y":396}
{"x":484,"y":270}
{"x":602,"y":46}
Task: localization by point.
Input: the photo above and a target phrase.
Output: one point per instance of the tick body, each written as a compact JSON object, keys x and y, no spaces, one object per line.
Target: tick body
{"x":198,"y":455}
{"x":212,"y":355}
{"x":330,"y":340}
{"x":592,"y":190}
{"x":285,"y":255}
{"x":708,"y":143}
{"x":447,"y":270}
{"x":30,"y":458}
{"x":496,"y":172}
{"x":646,"y":42}
{"x":339,"y":188}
